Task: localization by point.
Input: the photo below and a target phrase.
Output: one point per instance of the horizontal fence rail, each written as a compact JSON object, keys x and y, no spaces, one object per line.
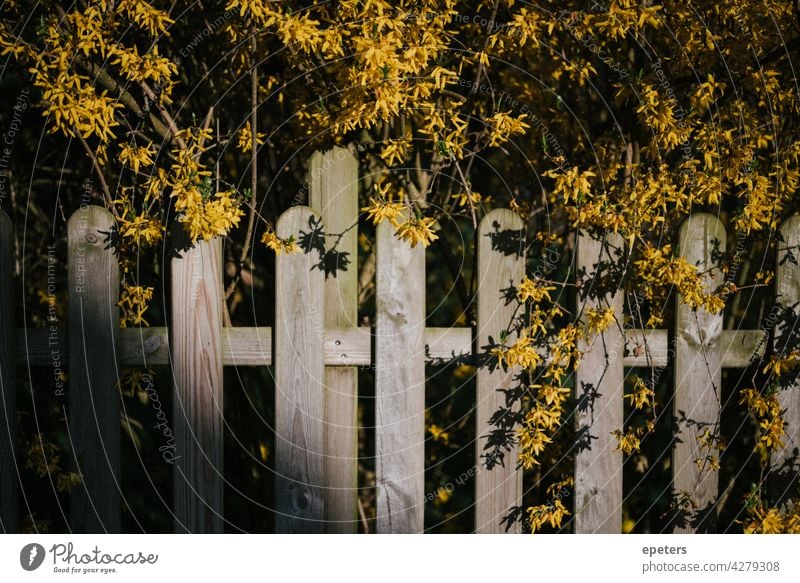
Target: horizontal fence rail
{"x":315,"y":347}
{"x":349,"y":347}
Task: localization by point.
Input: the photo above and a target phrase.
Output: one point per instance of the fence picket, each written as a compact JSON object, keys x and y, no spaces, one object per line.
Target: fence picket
{"x":786,"y":461}
{"x":498,"y":489}
{"x":599,"y":382}
{"x":299,"y":378}
{"x":94,"y":400}
{"x":196,"y":353}
{"x":317,"y":344}
{"x":399,"y":384}
{"x":8,"y":398}
{"x":698,"y":375}
{"x":334,"y":196}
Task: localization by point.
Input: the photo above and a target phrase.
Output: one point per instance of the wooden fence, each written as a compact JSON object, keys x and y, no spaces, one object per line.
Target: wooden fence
{"x":314,"y":347}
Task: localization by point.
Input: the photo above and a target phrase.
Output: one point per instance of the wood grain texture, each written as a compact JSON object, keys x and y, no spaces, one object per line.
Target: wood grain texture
{"x":299,"y":384}
{"x":698,"y":374}
{"x":599,"y":382}
{"x":94,"y":400}
{"x":786,"y":461}
{"x":333,"y":184}
{"x":498,"y":489}
{"x":399,"y":384}
{"x":144,"y":346}
{"x":8,"y":398}
{"x":196,"y":353}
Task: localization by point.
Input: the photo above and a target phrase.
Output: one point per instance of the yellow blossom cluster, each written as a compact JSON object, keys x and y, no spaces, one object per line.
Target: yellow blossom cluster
{"x":598,"y":320}
{"x":44,"y":458}
{"x":657,"y":270}
{"x":204,"y":213}
{"x":769,"y":417}
{"x":641,"y":396}
{"x":711,"y":445}
{"x":278,"y":244}
{"x":630,"y":441}
{"x":412,"y":229}
{"x":245,"y":138}
{"x":765,"y":520}
{"x":782,"y":364}
{"x":133,"y":302}
{"x":552,"y":513}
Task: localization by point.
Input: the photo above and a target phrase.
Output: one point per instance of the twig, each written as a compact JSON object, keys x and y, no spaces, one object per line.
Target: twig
{"x":168,"y":119}
{"x":253,"y":164}
{"x":100,"y":178}
{"x":363,"y":516}
{"x":478,"y":74}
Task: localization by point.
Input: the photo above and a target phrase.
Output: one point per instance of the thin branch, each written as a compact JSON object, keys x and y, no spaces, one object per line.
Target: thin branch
{"x":124,"y":97}
{"x":165,"y":115}
{"x":100,"y":178}
{"x":251,"y":221}
{"x":479,"y":72}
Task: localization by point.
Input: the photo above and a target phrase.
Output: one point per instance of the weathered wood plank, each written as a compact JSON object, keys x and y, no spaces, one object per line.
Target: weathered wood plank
{"x":245,"y":346}
{"x":650,"y":348}
{"x":400,"y":384}
{"x":447,"y":343}
{"x":739,"y":348}
{"x":599,"y":382}
{"x":196,"y":352}
{"x":8,"y":398}
{"x":786,"y":461}
{"x":144,"y":346}
{"x":698,"y":374}
{"x":498,"y":489}
{"x":333,"y":184}
{"x":299,"y":388}
{"x":94,"y":400}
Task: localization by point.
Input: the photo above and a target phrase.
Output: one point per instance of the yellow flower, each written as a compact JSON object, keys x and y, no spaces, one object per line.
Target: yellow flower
{"x":142,"y":230}
{"x":380,"y":210}
{"x":465,"y":198}
{"x":503,"y":126}
{"x":532,"y":442}
{"x":781,"y":364}
{"x":415,"y":231}
{"x":551,"y":393}
{"x":133,"y":302}
{"x":136,"y":157}
{"x":628,"y":442}
{"x":642,"y":396}
{"x":212,"y":218}
{"x":599,"y":319}
{"x":438,"y":433}
{"x":245,"y":141}
{"x":552,"y":513}
{"x":278,"y":245}
{"x":396,"y":151}
{"x":532,"y":290}
{"x":443,"y":495}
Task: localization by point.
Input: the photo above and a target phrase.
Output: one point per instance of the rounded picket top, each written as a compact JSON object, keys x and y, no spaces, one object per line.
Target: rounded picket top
{"x":787,"y":272}
{"x":299,"y":377}
{"x":91,"y":224}
{"x":93,"y":337}
{"x":296,"y":220}
{"x":502,"y":229}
